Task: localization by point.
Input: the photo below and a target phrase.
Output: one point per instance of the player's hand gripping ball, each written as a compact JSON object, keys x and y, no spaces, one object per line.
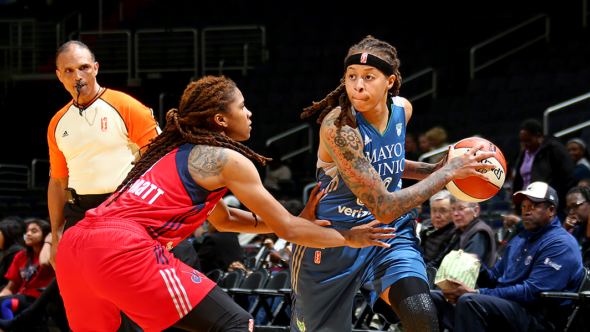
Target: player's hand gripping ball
{"x":473,"y":189}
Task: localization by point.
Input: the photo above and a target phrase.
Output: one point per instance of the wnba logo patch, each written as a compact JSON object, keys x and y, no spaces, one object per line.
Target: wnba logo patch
{"x":364,"y":57}
{"x":318,"y":257}
{"x":251,"y":325}
{"x":103,"y":124}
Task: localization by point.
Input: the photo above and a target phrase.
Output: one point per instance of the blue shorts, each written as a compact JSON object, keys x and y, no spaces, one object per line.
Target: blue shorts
{"x":325,"y":281}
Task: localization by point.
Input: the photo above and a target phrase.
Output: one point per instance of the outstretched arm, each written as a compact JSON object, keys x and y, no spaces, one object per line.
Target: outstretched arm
{"x":346,"y":148}
{"x":214,"y":167}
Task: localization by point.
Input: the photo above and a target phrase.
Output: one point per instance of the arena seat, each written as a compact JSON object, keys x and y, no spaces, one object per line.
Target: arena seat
{"x":215,"y":275}
{"x":232,"y":279}
{"x":278,"y":281}
{"x":580,"y":302}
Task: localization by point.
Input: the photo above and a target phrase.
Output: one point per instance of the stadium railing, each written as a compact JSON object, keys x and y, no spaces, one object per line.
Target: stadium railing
{"x":473,"y":68}
{"x":232,"y":48}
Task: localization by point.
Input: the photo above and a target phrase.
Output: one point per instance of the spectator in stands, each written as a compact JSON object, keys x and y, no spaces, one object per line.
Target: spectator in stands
{"x":584,"y":182}
{"x":473,"y":235}
{"x":437,"y":138}
{"x":578,"y":211}
{"x":219,"y":250}
{"x":29,"y":270}
{"x":11,"y":242}
{"x":423,"y":143}
{"x":18,"y":220}
{"x":279,"y":171}
{"x":436,"y":233}
{"x":543,"y":159}
{"x":412,"y":151}
{"x":544,"y":257}
{"x":579,"y":152}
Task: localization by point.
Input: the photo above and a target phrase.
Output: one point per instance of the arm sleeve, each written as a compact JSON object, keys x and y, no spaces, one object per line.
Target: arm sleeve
{"x":550,"y":272}
{"x":57,"y":160}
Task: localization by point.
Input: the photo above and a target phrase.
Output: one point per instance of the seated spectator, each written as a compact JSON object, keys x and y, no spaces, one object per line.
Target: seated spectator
{"x":423,"y":144}
{"x":278,"y":171}
{"x":437,"y":138}
{"x":412,"y":151}
{"x":29,"y":270}
{"x":578,"y":210}
{"x":578,"y":151}
{"x":219,"y":250}
{"x":543,"y":257}
{"x":472,"y":235}
{"x":436,"y":232}
{"x":11,"y":242}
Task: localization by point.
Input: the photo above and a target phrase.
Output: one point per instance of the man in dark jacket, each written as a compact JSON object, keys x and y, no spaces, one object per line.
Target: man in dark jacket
{"x":543,"y":257}
{"x":544,"y":159}
{"x":436,"y":232}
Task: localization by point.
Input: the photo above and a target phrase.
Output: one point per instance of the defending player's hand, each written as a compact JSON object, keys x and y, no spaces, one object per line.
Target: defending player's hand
{"x":468,"y":164}
{"x":368,"y":235}
{"x":309,"y":209}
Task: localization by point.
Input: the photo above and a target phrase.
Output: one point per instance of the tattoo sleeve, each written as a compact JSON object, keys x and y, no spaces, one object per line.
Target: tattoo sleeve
{"x":346,"y":149}
{"x":205,"y":161}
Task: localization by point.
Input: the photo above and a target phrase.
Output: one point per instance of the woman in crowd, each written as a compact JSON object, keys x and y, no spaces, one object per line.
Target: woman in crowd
{"x":473,"y":235}
{"x":578,"y":150}
{"x":11,"y":242}
{"x":29,"y":271}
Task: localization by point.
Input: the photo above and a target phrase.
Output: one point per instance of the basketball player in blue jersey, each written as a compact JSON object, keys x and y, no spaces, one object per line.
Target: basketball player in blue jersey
{"x":360,"y":166}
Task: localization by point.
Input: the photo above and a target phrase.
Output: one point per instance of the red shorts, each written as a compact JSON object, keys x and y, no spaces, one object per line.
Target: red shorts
{"x":104,"y":266}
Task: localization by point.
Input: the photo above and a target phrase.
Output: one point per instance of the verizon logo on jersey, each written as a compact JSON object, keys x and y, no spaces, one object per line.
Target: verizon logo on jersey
{"x":146,"y":188}
{"x":360,"y":213}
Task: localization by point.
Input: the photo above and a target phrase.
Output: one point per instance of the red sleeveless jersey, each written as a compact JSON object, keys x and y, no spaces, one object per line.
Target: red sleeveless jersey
{"x":165,"y":200}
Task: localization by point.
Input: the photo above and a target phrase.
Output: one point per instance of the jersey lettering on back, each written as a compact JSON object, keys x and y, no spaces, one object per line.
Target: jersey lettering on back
{"x":165,"y":200}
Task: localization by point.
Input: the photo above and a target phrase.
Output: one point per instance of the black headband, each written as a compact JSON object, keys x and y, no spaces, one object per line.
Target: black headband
{"x":369,"y":60}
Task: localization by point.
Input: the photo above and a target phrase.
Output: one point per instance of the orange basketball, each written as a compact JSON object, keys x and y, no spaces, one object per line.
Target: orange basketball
{"x":474,"y":189}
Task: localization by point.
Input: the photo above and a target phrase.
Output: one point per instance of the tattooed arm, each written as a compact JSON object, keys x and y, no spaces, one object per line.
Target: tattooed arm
{"x":419,"y":171}
{"x":346,"y":149}
{"x":215,"y":167}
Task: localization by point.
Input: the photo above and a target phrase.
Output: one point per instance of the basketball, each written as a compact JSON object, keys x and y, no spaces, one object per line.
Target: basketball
{"x":473,"y":189}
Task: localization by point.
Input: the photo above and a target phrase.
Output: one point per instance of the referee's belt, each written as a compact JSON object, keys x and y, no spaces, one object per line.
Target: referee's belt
{"x":87,"y":200}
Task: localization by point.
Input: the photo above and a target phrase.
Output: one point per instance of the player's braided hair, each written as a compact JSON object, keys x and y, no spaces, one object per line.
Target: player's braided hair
{"x":585,"y":191}
{"x":192,"y":123}
{"x":339,"y":97}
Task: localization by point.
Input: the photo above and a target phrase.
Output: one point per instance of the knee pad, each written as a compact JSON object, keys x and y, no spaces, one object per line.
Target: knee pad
{"x":418,"y":313}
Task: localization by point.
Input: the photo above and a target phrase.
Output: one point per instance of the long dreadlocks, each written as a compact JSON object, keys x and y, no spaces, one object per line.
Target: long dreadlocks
{"x":339,"y":97}
{"x":192,"y":122}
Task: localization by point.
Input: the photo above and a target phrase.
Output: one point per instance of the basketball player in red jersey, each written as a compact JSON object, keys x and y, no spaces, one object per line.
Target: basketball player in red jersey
{"x":117,"y":258}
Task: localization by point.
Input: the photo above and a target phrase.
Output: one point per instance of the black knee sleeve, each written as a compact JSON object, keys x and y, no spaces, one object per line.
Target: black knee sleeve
{"x":410,"y":298}
{"x":418,"y":313}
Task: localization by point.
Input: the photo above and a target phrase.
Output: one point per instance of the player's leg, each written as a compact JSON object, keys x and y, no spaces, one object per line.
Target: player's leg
{"x":324,"y":283}
{"x":410,"y":299}
{"x":215,"y":313}
{"x":81,"y":298}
